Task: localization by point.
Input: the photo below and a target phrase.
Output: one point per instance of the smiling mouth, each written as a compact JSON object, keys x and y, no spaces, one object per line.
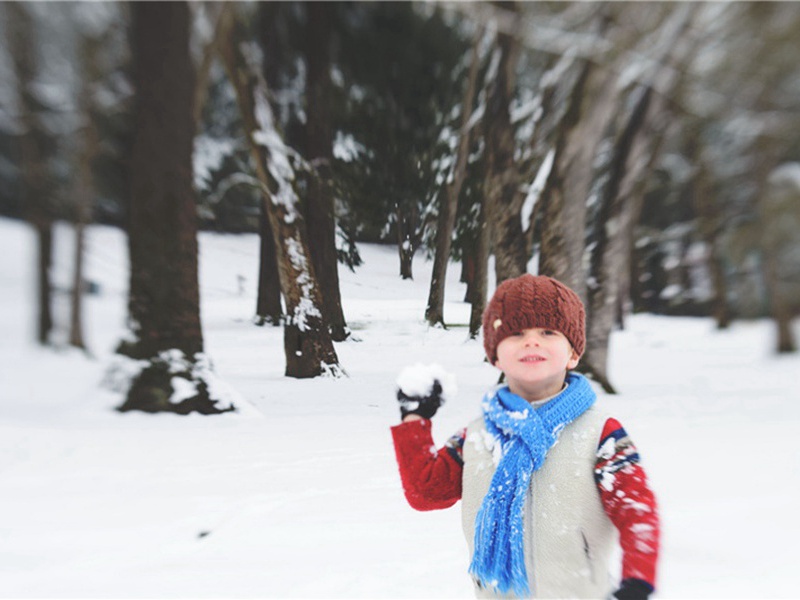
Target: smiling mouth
{"x":531,"y":358}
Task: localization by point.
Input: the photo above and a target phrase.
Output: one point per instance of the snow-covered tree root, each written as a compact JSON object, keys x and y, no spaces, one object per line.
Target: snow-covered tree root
{"x":169,"y":382}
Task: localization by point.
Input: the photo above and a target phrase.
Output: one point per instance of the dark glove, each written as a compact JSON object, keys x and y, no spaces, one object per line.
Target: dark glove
{"x":424,"y":406}
{"x":633,"y":589}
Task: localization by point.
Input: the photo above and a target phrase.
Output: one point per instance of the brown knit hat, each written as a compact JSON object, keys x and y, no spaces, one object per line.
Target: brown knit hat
{"x":532,"y":301}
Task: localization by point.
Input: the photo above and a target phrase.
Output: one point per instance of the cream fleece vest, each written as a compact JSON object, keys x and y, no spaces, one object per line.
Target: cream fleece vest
{"x":568,"y":537}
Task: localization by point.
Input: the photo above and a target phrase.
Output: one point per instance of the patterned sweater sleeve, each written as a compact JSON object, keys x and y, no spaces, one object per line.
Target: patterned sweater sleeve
{"x":629,"y":502}
{"x":431,"y":478}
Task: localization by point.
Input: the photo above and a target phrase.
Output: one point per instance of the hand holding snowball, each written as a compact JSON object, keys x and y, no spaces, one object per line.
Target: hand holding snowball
{"x":422,"y":389}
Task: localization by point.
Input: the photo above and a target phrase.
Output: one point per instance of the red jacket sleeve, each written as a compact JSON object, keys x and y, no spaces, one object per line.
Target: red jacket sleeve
{"x":431,"y":478}
{"x":629,"y":502}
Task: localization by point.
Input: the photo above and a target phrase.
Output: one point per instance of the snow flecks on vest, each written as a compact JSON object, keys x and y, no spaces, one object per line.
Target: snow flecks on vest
{"x":482,"y":439}
{"x":305,"y":306}
{"x":419,"y":379}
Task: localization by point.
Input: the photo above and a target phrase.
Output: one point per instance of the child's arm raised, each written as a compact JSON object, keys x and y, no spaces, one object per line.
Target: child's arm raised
{"x":431,"y":478}
{"x":631,"y":506}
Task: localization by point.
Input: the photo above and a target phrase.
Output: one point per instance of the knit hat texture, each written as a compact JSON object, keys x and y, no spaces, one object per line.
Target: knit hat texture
{"x":533,"y":301}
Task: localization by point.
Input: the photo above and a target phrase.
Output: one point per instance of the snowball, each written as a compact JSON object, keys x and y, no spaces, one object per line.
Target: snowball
{"x":417,"y":380}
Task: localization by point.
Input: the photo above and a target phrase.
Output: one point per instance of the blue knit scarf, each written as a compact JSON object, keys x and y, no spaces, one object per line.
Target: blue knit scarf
{"x":525,"y":435}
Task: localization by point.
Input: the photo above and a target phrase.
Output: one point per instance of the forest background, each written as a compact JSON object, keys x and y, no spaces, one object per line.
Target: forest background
{"x":644,"y":153}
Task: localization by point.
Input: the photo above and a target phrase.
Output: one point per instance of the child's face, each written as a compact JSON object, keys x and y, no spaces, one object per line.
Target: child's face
{"x":535,"y":362}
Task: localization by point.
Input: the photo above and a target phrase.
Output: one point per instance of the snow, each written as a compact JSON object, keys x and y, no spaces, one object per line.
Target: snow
{"x":305,"y":307}
{"x":418,"y":380}
{"x":297,"y":495}
{"x":535,"y":189}
{"x":207,"y":157}
{"x":787,"y":174}
{"x":346,"y":148}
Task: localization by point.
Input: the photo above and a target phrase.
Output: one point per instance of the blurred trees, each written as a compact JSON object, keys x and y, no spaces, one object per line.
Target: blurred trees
{"x":34,"y":149}
{"x":318,"y":151}
{"x":780,"y":224}
{"x":307,"y":340}
{"x":629,"y":149}
{"x":163,"y":298}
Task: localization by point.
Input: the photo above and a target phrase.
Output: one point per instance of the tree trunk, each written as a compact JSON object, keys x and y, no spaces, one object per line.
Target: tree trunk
{"x":434,"y":313}
{"x":592,"y":103}
{"x":780,"y":308}
{"x":504,"y":200}
{"x":217,"y":16}
{"x":84,"y":188}
{"x":779,"y":207}
{"x":268,"y":303}
{"x":406,"y":246}
{"x":44,"y":234}
{"x":708,"y":226}
{"x":307,"y":342}
{"x":164,"y":304}
{"x":480,"y":278}
{"x":76,"y":300}
{"x":37,"y":209}
{"x":468,"y":271}
{"x":612,"y":241}
{"x":634,"y":154}
{"x":320,"y":218}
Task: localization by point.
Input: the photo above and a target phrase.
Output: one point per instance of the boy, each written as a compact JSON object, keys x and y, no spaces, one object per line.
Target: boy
{"x":548,"y":483}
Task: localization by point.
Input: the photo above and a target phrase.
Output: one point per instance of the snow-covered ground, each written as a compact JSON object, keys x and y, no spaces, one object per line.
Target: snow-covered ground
{"x":297,"y":495}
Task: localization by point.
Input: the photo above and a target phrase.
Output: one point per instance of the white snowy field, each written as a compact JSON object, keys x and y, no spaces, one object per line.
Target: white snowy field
{"x":298,"y":496}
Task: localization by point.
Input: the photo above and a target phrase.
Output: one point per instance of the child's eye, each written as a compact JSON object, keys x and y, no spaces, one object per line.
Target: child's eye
{"x":549,"y":332}
{"x":517,"y":334}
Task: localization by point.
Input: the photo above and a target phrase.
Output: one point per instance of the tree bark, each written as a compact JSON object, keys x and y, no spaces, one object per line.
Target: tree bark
{"x":44,"y":235}
{"x":307,"y":342}
{"x":780,"y":212}
{"x":164,"y":303}
{"x":613,"y":241}
{"x":480,"y":282}
{"x":84,"y":189}
{"x":37,"y":209}
{"x":268,"y":302}
{"x":320,"y":218}
{"x":468,"y":271}
{"x":407,"y":239}
{"x":164,"y":296}
{"x":592,"y":102}
{"x":504,"y":200}
{"x":780,"y":308}
{"x":434,"y":313}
